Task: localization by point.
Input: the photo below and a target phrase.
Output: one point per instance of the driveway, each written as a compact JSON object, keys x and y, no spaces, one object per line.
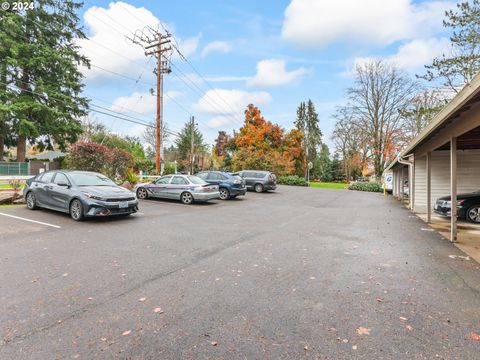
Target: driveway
{"x":300,"y":273}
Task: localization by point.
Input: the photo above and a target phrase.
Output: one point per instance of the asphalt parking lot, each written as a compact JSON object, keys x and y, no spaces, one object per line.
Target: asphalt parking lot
{"x":300,"y":273}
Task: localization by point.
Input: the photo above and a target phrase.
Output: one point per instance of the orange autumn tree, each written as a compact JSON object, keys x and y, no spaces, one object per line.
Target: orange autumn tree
{"x":262,"y":145}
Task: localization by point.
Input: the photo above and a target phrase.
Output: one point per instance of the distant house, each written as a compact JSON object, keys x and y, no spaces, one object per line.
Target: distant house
{"x":47,"y":156}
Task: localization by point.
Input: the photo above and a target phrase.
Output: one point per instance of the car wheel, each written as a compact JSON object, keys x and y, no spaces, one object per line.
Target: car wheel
{"x":224,"y":193}
{"x":142,"y":193}
{"x":31,"y":201}
{"x":259,"y":188}
{"x":473,"y":214}
{"x":186,"y":198}
{"x":76,"y":210}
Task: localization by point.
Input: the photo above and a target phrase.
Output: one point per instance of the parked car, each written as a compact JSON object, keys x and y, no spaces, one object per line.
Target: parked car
{"x":229,"y":186}
{"x":79,"y":193}
{"x":186,"y":188}
{"x":468,"y":206}
{"x":259,"y":181}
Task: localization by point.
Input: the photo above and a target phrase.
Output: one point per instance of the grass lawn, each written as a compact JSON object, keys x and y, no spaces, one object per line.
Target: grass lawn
{"x":11,"y":206}
{"x":7,"y":186}
{"x":323,"y":185}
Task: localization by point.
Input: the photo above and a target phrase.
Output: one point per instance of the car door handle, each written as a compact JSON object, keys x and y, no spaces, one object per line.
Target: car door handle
{"x":48,"y":187}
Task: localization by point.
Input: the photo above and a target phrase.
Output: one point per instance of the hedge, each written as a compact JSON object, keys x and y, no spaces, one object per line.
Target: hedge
{"x":294,"y":180}
{"x":367,"y":186}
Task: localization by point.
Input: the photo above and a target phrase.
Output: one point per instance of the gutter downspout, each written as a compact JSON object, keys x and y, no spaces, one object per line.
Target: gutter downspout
{"x":401,"y":160}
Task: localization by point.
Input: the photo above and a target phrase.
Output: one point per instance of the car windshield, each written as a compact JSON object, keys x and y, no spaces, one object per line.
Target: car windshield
{"x":196,"y":180}
{"x":86,"y":179}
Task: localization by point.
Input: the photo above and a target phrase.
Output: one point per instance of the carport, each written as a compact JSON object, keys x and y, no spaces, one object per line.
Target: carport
{"x":444,"y":159}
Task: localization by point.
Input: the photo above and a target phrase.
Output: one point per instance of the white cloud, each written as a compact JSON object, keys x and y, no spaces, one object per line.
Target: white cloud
{"x":220,"y":46}
{"x":140,"y":102}
{"x":108,"y":47}
{"x":273,"y":72}
{"x":417,"y":53}
{"x":228,"y":105}
{"x":411,"y":56}
{"x":313,"y":23}
{"x":222,"y":121}
{"x":221,"y":101}
{"x":189,"y":46}
{"x":227,"y":78}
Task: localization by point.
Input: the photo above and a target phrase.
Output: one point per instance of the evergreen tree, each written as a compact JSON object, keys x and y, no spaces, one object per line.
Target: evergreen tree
{"x":323,"y":165}
{"x":307,"y":122}
{"x":184,"y":142}
{"x":463,"y":62}
{"x":41,"y":82}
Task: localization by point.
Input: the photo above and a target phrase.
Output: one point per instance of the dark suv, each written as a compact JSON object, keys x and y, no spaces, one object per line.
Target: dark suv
{"x":259,"y":181}
{"x":230,"y":186}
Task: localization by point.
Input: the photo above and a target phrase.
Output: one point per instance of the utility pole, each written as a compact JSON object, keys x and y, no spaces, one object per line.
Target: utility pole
{"x":192,"y":143}
{"x":157,"y":44}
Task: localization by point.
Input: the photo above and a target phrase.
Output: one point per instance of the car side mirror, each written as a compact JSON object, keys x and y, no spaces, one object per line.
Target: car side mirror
{"x":63,"y":184}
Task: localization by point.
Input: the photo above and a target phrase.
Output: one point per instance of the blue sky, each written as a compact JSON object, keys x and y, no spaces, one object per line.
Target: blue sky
{"x":274,"y":54}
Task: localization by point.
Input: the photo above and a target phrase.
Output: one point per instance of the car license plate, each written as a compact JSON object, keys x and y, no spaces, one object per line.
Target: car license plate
{"x":123,"y":204}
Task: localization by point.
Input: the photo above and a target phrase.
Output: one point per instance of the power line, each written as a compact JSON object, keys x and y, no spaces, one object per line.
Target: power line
{"x":205,"y":80}
{"x":203,"y":94}
{"x":109,"y":113}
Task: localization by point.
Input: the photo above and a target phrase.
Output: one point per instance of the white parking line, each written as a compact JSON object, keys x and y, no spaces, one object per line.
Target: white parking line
{"x":32,"y":221}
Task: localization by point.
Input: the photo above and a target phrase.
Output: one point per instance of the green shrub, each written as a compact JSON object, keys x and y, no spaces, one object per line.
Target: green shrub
{"x":367,"y":186}
{"x":169,"y":168}
{"x":131,"y":177}
{"x":293,"y":180}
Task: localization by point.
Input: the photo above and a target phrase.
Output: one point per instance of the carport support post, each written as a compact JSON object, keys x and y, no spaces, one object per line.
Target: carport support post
{"x":402,"y":182}
{"x":429,"y":187}
{"x":453,"y":189}
{"x":411,"y":195}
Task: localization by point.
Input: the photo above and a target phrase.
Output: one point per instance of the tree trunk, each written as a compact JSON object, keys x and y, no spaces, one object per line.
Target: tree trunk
{"x":2,"y":144}
{"x":21,"y":148}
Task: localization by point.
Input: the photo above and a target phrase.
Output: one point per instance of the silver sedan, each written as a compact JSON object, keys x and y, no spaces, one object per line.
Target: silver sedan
{"x":186,"y":188}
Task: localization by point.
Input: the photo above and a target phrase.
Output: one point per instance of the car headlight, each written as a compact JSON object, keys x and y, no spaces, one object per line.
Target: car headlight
{"x":94,"y":197}
{"x":237,"y":182}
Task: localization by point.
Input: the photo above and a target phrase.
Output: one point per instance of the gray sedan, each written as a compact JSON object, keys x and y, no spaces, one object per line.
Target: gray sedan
{"x":186,"y":188}
{"x":79,"y":193}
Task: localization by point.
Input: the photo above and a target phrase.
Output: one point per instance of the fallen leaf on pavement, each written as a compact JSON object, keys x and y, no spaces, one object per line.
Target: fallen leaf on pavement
{"x":354,"y":347}
{"x":158,"y":310}
{"x":379,"y":299}
{"x":474,"y":336}
{"x":125,"y":333}
{"x":409,"y":327}
{"x":66,"y":274}
{"x":363,"y":331}
{"x":403,"y":318}
{"x":142,"y":299}
{"x":213,"y":343}
{"x":345,"y":341}
{"x":103,"y":339}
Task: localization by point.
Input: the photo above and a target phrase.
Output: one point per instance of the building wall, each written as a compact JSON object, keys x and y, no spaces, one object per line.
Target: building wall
{"x":468,"y":176}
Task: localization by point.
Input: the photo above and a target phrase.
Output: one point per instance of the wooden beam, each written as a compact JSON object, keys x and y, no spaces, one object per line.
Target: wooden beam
{"x":468,"y":121}
{"x":429,"y":187}
{"x":453,"y":189}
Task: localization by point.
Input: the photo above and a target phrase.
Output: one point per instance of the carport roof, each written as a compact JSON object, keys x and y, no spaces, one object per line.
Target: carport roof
{"x":469,"y":95}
